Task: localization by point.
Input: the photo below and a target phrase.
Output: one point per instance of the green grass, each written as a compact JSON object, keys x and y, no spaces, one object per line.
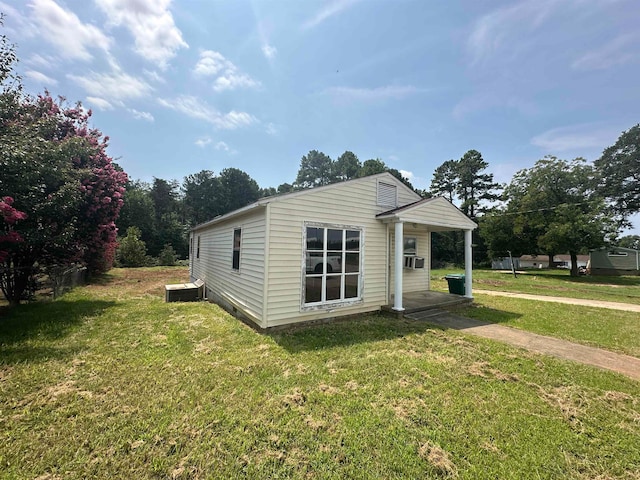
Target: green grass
{"x":557,"y":283}
{"x":111,"y":382}
{"x":604,"y":328}
{"x":610,"y":329}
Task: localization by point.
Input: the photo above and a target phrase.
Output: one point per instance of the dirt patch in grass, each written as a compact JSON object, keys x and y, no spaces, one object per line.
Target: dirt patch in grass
{"x":135,"y":282}
{"x":438,"y":458}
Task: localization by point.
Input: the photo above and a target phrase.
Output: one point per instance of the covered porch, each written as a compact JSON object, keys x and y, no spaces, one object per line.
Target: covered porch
{"x":428,"y":300}
{"x":427,"y":216}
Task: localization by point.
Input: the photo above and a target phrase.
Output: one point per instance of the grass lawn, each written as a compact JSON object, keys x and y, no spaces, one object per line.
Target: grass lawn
{"x":556,"y":283}
{"x":111,"y":382}
{"x":609,"y":329}
{"x":598,"y":327}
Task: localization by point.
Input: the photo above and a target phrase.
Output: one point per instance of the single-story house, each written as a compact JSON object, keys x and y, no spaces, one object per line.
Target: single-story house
{"x":534,"y":261}
{"x":564,"y":261}
{"x":614,"y":261}
{"x":324,"y":252}
{"x":504,"y":263}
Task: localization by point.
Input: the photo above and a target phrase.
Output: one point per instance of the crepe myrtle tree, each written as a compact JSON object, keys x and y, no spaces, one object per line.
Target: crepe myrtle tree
{"x":56,"y":170}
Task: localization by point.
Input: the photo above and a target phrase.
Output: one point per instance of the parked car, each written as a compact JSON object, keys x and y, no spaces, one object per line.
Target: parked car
{"x":334,"y":264}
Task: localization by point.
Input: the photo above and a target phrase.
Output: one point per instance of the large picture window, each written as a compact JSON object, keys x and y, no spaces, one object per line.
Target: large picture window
{"x":333,"y":265}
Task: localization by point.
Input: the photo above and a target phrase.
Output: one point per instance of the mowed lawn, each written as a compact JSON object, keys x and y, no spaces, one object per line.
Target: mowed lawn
{"x":111,"y":382}
{"x":610,"y":329}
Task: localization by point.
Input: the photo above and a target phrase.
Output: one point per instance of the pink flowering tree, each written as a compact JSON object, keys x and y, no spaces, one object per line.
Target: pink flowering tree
{"x":61,"y":191}
{"x":9,"y":239}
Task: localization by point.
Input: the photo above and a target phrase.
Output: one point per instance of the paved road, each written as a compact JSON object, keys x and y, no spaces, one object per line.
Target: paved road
{"x":624,"y":364}
{"x":627,"y":307}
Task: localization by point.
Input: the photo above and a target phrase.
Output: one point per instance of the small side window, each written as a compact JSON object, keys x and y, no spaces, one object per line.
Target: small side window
{"x":237,"y":237}
{"x":198,"y":248}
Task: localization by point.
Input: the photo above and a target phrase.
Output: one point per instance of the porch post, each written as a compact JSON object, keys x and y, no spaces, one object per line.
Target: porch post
{"x":468,"y":263}
{"x":398,"y":264}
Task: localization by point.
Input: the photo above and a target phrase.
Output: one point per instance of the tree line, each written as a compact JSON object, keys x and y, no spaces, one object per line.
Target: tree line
{"x":557,"y":206}
{"x":157,"y":216}
{"x":63,"y":200}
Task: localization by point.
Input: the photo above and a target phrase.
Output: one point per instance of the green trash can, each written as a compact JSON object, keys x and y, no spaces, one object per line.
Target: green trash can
{"x":456,"y":284}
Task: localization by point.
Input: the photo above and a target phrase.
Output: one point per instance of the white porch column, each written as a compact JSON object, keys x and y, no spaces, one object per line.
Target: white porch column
{"x":398,"y":237}
{"x":468,"y":263}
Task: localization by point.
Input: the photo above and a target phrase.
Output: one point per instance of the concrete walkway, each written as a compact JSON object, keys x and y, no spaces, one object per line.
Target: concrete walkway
{"x":617,"y":362}
{"x":627,"y":307}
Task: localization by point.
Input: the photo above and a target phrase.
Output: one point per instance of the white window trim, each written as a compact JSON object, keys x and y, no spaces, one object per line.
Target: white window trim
{"x":617,"y":254}
{"x":329,"y":305}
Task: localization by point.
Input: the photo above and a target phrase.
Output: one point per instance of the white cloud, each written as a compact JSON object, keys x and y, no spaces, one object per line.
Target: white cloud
{"x":222,"y":146}
{"x":272,"y":129}
{"x":203,"y":142}
{"x":151,"y":23}
{"x":417,"y":182}
{"x":396,"y":92}
{"x":64,"y":30}
{"x":198,"y":109}
{"x":329,"y":10}
{"x":232,"y":81}
{"x":141,"y":115}
{"x":113,"y":86}
{"x":269,"y":50}
{"x":100,"y":103}
{"x":40,"y":61}
{"x":211,"y":63}
{"x":502,"y":28}
{"x":40,"y":77}
{"x":214,"y":64}
{"x":578,"y":138}
{"x":153,"y":76}
{"x":622,"y":49}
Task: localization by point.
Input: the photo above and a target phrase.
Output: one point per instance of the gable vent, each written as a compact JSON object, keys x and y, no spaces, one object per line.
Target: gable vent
{"x":387,"y":195}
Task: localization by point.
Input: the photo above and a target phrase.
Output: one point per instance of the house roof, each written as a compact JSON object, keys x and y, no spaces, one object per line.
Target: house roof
{"x":417,"y":213}
{"x":263,"y":202}
{"x":556,"y":258}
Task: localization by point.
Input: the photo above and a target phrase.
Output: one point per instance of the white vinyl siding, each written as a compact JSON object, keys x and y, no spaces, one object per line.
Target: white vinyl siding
{"x":414,"y":280}
{"x":439,"y":214}
{"x":242,"y":288}
{"x":288,"y":219}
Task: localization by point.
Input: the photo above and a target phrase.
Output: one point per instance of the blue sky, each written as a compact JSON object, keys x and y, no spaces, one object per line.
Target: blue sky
{"x":189,"y":85}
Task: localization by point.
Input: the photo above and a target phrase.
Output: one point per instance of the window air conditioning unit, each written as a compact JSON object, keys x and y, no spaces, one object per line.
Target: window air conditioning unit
{"x":412,"y":262}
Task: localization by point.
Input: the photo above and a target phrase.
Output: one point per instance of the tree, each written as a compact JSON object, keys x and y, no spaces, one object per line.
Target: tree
{"x":285,"y":188}
{"x":56,"y":170}
{"x":165,"y":196}
{"x":445,"y":179}
{"x":473,"y":186}
{"x":138,"y":210}
{"x":202,"y":197}
{"x":132,"y":251}
{"x":237,"y":189}
{"x":619,"y":173}
{"x":552,"y":207}
{"x":630,"y":241}
{"x":316,"y":169}
{"x":372,"y":167}
{"x":167,"y":256}
{"x":347,"y":166}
